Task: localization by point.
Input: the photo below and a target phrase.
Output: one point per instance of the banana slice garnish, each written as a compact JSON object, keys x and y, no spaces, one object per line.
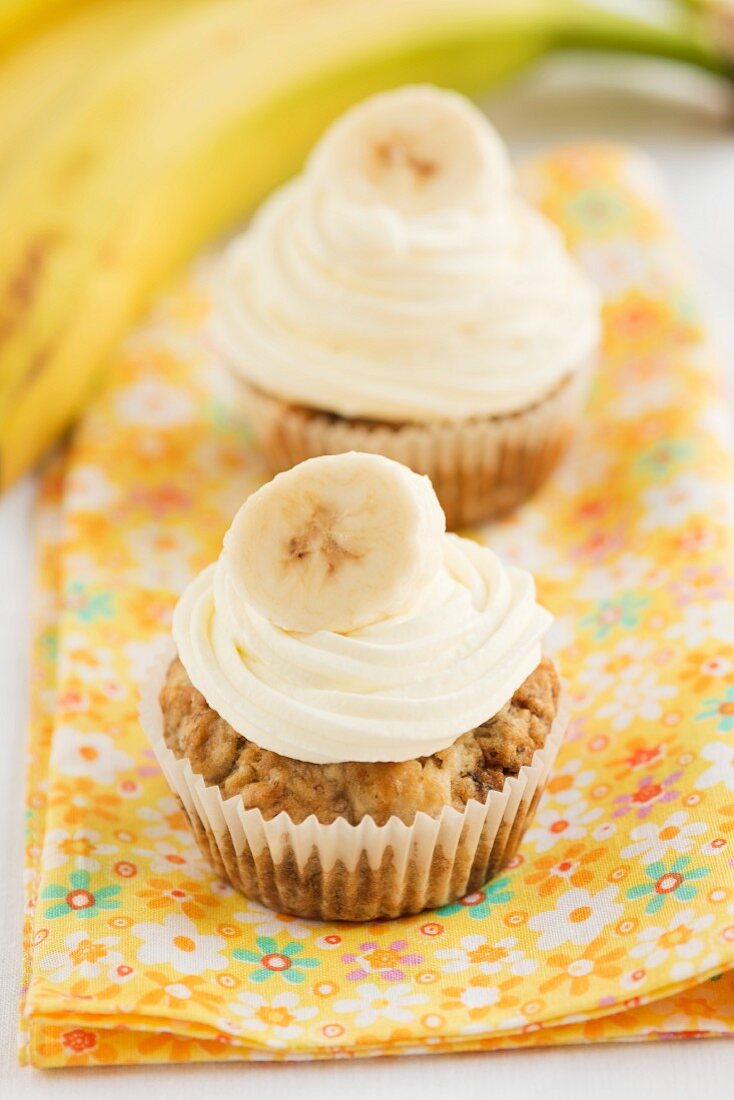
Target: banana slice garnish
{"x":336,"y":543}
{"x":415,"y":150}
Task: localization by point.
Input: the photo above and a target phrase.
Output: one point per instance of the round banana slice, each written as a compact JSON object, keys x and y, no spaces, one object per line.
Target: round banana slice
{"x":336,"y":543}
{"x":418,"y":149}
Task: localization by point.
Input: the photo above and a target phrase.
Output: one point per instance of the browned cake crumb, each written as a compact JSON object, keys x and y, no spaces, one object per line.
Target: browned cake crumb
{"x":478,"y":762}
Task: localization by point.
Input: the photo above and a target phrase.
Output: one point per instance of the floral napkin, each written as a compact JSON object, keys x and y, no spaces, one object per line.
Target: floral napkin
{"x":616,"y":918}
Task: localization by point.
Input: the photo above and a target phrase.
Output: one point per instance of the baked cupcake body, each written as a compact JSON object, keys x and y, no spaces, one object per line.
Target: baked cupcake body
{"x":359,"y":722}
{"x":399,"y":297}
{"x":478,"y":763}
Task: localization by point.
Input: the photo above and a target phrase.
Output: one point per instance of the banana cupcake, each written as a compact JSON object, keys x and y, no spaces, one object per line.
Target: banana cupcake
{"x":398,"y":297}
{"x":358,"y":719}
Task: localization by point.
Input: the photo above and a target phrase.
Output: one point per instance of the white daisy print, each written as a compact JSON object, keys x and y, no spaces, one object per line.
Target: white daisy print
{"x":477,"y":997}
{"x":569,"y":780}
{"x":604,"y":668}
{"x":82,"y":846}
{"x":637,"y":697}
{"x":282,"y":1015}
{"x":166,"y":819}
{"x":178,"y":943}
{"x":647,"y":395}
{"x":154,"y":404}
{"x":92,"y":666}
{"x":578,"y":917}
{"x":615,"y":264}
{"x":721,"y":756}
{"x":165,"y":857}
{"x":683,"y":969}
{"x":162,"y":555}
{"x":88,"y":754}
{"x":683,"y":938}
{"x":268,"y":923}
{"x":627,"y":571}
{"x":477,"y":954}
{"x":567,"y":822}
{"x":701,"y":622}
{"x":85,"y":956}
{"x":374,"y":1002}
{"x":652,"y":841}
{"x":87,"y":488}
{"x":527,"y":544}
{"x":590,"y":467}
{"x":672,"y":504}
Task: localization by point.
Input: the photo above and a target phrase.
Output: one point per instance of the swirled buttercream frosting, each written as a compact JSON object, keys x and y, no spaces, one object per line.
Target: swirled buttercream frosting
{"x":403,"y":687}
{"x":400,"y":278}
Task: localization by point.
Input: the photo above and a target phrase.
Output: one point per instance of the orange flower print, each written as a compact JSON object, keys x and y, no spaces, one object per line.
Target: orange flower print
{"x":62,"y":1044}
{"x":167,"y":817}
{"x":192,"y":898}
{"x":643,"y":753}
{"x":577,"y":971}
{"x":478,"y":954}
{"x":481,"y":996}
{"x":694,"y":1004}
{"x":81,"y":846}
{"x":80,"y":799}
{"x":86,"y":990}
{"x":597,"y":1030}
{"x":166,"y":1047}
{"x":150,"y":609}
{"x":179,"y":991}
{"x":639,"y":324}
{"x":726,"y":812}
{"x":165,"y":857}
{"x":278,"y":1017}
{"x":573,"y":864}
{"x":397,"y":1036}
{"x":84,"y":955}
{"x":697,"y":537}
{"x":704,"y":670}
{"x":683,"y":937}
{"x":91,"y":529}
{"x":569,"y":777}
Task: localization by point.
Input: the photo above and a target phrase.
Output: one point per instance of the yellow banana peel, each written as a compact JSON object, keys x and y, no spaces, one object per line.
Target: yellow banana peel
{"x":121,"y":173}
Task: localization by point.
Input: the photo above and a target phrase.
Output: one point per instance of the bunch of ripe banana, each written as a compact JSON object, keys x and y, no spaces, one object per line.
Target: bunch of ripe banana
{"x":132,"y":131}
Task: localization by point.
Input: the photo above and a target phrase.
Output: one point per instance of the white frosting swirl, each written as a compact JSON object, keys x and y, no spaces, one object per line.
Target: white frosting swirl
{"x":399,"y":689}
{"x":346,"y":298}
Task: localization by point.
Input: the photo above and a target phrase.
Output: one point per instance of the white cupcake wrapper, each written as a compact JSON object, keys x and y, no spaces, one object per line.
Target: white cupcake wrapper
{"x":342,"y":871}
{"x":479,"y":467}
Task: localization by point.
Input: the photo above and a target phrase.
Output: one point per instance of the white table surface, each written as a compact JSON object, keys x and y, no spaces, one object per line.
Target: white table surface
{"x":694,"y":146}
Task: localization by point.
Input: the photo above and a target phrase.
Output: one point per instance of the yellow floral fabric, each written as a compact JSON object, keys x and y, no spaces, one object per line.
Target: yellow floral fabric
{"x":616,"y":918}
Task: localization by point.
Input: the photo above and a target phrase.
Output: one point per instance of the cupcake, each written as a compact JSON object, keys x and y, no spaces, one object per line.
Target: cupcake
{"x":358,"y":719}
{"x":399,"y":298}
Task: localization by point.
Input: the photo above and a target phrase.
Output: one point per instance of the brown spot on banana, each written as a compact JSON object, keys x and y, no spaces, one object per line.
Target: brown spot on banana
{"x":21,"y":287}
{"x":35,"y":366}
{"x":318,"y":538}
{"x":396,"y":152}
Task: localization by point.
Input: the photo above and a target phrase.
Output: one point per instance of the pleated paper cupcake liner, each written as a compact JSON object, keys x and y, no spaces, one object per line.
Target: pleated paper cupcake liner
{"x":351,"y":872}
{"x":479,"y":467}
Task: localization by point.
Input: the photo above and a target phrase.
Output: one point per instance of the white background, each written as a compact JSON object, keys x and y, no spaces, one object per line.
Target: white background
{"x":689,"y":129}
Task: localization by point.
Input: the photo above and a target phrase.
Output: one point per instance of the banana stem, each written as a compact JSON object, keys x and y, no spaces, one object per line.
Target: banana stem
{"x":688,"y":35}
